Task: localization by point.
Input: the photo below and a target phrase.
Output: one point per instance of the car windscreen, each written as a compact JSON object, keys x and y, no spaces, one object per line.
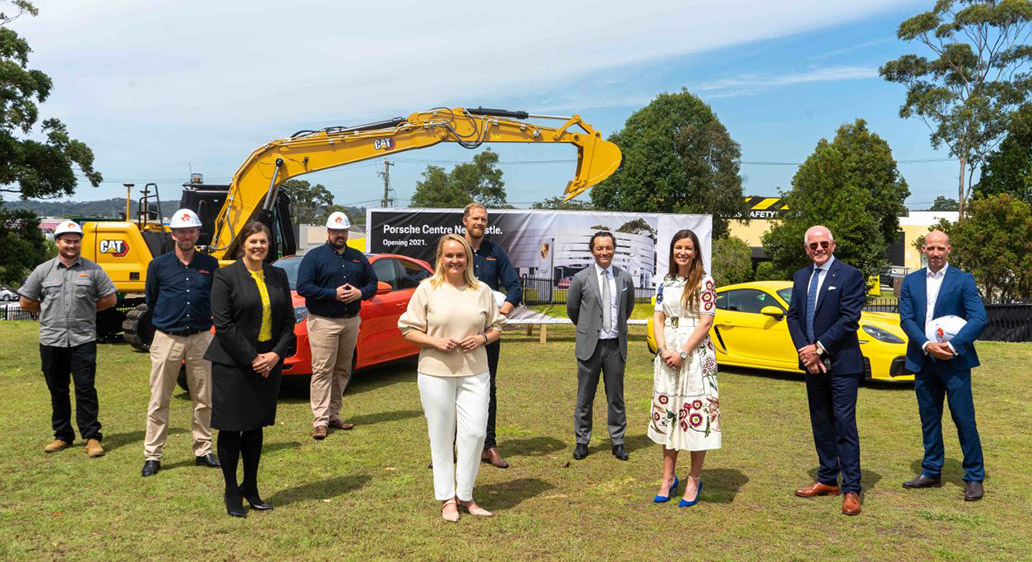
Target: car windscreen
{"x":786,"y":295}
{"x":289,"y":265}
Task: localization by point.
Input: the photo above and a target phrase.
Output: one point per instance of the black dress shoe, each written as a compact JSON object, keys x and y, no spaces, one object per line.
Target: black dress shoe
{"x":620,"y":452}
{"x":923,"y":481}
{"x":255,"y":501}
{"x":150,"y":468}
{"x":580,"y":451}
{"x":234,"y":505}
{"x":973,"y":491}
{"x":209,"y":460}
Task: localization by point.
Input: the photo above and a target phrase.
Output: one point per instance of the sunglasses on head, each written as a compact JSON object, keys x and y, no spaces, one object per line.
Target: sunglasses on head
{"x":824,"y":244}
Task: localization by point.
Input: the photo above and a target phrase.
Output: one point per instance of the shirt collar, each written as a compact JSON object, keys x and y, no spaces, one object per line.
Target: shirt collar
{"x":937,"y":275}
{"x":78,"y":261}
{"x":827,"y":264}
{"x":599,"y":270}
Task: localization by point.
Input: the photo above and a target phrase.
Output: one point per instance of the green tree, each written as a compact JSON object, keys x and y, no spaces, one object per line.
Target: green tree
{"x":1009,"y":168}
{"x":479,"y":180}
{"x":994,"y":244}
{"x":677,"y":158}
{"x":33,"y":163}
{"x":732,"y":261}
{"x":308,"y":202}
{"x":852,"y":186}
{"x":943,"y":203}
{"x":767,"y":271}
{"x":979,"y":75}
{"x":558,"y":203}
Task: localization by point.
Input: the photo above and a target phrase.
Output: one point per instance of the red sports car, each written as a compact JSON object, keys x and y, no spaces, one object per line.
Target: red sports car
{"x":379,"y":339}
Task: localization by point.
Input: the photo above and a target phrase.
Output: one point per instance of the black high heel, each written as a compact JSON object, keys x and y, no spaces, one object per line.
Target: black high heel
{"x":234,"y":506}
{"x":255,"y":501}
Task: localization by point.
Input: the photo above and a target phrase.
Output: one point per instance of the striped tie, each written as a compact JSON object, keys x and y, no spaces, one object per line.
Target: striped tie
{"x":811,"y":303}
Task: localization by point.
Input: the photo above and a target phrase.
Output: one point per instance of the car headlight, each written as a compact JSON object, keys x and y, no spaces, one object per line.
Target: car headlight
{"x":882,"y":335}
{"x":300,"y":314}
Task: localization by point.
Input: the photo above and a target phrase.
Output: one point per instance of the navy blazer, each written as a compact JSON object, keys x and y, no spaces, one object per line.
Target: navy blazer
{"x":236,"y":309}
{"x":958,"y":296}
{"x":839,"y":303}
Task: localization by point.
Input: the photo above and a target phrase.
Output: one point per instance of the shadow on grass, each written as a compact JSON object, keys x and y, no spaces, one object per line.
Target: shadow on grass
{"x":382,"y":417}
{"x":279,"y":446}
{"x":533,"y":447}
{"x":952,"y":471}
{"x":507,"y":495}
{"x":319,"y":490}
{"x":722,"y":484}
{"x":112,"y":442}
{"x":869,"y":479}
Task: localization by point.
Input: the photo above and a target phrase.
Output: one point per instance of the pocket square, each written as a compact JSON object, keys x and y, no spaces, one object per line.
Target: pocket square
{"x":831,"y":288}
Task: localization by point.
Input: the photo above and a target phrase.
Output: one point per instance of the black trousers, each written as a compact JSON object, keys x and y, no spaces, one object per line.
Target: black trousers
{"x":832,"y":400}
{"x":492,"y":407}
{"x":78,"y":363}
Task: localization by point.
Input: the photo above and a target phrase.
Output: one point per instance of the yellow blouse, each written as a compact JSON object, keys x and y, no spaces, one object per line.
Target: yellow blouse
{"x":265,"y":333}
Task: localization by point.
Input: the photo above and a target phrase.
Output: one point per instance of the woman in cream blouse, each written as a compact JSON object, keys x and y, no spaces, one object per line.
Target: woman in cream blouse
{"x":452,"y":316}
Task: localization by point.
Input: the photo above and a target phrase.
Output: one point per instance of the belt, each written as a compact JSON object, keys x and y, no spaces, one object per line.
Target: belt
{"x":183,"y":333}
{"x":347,"y":315}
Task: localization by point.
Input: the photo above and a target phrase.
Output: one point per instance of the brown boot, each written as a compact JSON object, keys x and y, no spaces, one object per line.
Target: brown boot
{"x":319,"y":432}
{"x":338,"y":424}
{"x":57,"y":445}
{"x":94,"y":449}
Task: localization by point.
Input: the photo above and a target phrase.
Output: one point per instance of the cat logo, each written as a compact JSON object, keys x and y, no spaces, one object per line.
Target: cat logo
{"x":114,"y":248}
{"x":383,"y":144}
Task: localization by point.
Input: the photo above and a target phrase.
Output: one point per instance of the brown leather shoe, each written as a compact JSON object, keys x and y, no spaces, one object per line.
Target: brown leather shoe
{"x":94,"y":449}
{"x":319,"y":432}
{"x":337,"y":424}
{"x":494,"y":457}
{"x":57,"y":445}
{"x":817,"y":489}
{"x":851,"y":504}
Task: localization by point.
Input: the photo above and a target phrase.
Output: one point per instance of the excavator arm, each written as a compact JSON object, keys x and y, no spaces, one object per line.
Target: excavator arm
{"x":255,"y":185}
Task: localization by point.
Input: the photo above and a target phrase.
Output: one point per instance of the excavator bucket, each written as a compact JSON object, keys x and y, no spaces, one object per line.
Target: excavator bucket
{"x":597,"y":159}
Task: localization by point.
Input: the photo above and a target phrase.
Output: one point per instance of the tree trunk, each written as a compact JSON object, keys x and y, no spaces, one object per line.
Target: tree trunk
{"x":960,"y":199}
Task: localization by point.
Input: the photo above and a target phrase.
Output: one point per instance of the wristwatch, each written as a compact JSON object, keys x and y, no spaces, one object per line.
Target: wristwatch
{"x":684,"y":355}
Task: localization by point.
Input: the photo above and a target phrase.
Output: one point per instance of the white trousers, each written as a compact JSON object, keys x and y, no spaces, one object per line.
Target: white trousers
{"x":447,"y":401}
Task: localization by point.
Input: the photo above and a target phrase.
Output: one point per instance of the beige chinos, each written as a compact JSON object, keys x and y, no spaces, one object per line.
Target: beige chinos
{"x":332,"y":341}
{"x":167,"y":353}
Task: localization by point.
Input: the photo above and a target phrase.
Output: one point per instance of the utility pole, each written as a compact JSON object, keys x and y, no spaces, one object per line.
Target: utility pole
{"x":388,"y":193}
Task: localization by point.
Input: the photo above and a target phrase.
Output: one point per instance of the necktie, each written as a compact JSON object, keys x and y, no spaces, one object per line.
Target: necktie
{"x":607,"y":311}
{"x":811,"y":303}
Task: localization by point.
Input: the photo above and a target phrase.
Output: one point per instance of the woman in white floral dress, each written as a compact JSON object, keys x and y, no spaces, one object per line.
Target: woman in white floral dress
{"x":685,"y":413}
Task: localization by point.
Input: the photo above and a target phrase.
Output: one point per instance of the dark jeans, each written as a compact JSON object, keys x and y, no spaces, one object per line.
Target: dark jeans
{"x":936,"y":381}
{"x":832,"y":401}
{"x":81,"y":363}
{"x":492,"y":407}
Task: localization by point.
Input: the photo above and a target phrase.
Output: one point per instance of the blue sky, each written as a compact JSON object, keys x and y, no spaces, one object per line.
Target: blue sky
{"x":159,"y":89}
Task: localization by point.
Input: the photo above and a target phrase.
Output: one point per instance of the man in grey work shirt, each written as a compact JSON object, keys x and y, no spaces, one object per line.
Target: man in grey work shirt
{"x":68,"y":291}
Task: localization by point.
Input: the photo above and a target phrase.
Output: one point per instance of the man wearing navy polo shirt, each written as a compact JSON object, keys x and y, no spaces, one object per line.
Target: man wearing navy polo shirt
{"x":491,"y":265}
{"x":178,"y":291}
{"x":334,"y":279}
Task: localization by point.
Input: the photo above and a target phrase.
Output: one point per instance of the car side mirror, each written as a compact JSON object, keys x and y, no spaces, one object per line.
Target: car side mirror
{"x":382,"y":288}
{"x":772,"y":311}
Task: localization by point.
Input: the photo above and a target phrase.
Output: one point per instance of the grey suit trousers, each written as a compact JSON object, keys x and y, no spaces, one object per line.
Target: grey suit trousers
{"x":606,"y":360}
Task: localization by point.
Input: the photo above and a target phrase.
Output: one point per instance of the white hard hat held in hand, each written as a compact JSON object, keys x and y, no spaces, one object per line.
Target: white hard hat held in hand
{"x":943,"y":328}
{"x":185,"y":218}
{"x":67,"y":227}
{"x":338,"y":221}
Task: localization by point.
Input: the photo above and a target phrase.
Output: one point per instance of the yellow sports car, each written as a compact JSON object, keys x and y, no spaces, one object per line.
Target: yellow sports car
{"x":750,"y":330}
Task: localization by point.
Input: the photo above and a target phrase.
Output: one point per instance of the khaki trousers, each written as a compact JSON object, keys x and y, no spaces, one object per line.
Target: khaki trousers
{"x":167,"y":353}
{"x":332,"y":341}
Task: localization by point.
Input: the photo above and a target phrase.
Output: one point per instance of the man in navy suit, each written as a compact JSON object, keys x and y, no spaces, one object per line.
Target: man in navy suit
{"x":823,"y":317}
{"x":943,"y":368}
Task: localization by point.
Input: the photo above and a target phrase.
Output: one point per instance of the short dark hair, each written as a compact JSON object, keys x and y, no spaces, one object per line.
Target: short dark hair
{"x":249,"y":230}
{"x":601,"y":234}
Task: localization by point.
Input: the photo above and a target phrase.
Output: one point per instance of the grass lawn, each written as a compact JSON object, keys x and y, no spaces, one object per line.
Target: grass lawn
{"x":367,"y":494}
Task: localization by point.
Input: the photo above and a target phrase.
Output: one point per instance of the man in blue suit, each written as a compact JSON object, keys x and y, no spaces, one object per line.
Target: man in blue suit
{"x":823,"y":317}
{"x":943,"y":368}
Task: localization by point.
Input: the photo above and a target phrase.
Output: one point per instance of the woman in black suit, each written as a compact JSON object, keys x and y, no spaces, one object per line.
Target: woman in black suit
{"x":254,"y":327}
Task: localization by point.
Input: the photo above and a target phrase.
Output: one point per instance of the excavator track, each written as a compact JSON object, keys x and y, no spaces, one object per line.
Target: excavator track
{"x":137,"y":327}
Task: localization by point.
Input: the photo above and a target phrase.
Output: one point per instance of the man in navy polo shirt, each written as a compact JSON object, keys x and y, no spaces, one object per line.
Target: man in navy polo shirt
{"x":334,"y":279}
{"x":178,"y":291}
{"x":491,"y":265}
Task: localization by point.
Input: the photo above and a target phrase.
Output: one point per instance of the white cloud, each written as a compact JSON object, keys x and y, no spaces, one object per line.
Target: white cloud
{"x":753,"y":84}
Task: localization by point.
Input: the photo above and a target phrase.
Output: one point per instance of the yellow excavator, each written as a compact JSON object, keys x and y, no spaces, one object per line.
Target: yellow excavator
{"x":124,"y":248}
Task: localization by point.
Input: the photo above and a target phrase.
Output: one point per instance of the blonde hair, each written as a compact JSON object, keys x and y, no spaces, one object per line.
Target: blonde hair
{"x":467,"y":274}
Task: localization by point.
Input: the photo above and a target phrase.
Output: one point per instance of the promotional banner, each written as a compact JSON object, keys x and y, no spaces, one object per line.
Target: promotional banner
{"x":544,"y":244}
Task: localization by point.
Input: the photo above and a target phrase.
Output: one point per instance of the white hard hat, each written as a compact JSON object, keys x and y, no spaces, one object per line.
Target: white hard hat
{"x":943,"y":328}
{"x":338,"y":221}
{"x":185,"y":218}
{"x":67,"y":227}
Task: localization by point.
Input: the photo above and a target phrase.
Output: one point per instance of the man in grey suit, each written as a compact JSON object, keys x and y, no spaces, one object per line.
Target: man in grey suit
{"x":600,"y":300}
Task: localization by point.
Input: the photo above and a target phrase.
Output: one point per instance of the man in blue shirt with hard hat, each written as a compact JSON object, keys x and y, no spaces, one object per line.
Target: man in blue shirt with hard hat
{"x":334,"y":279}
{"x":178,"y":292}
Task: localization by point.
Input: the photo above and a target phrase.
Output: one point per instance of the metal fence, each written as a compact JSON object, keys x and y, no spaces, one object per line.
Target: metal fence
{"x":1010,"y":322}
{"x":14,"y":312}
{"x":548,"y":291}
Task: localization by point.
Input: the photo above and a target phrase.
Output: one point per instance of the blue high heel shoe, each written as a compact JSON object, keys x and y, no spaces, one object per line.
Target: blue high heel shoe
{"x":698,"y":494}
{"x":670,"y":492}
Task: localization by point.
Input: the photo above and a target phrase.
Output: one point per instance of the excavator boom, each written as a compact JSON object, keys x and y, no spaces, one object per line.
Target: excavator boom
{"x":255,"y":184}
